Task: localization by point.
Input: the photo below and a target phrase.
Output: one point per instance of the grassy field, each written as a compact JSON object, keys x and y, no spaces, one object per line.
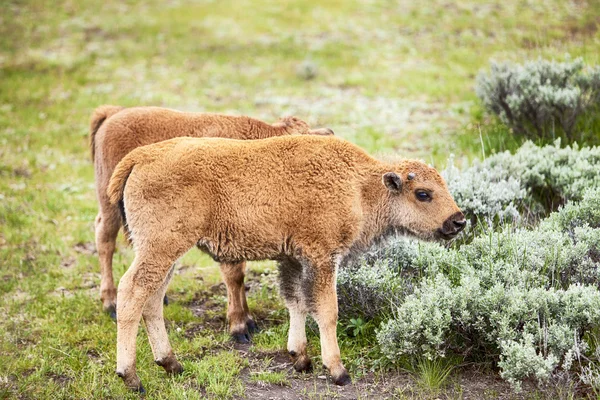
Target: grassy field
{"x":395,"y":78}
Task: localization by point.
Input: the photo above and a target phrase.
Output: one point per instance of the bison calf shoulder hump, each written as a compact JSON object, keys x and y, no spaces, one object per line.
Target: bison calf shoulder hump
{"x":306,"y":201}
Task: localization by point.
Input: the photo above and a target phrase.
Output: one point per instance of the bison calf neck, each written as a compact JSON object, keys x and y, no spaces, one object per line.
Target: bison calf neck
{"x":115,"y":131}
{"x":308,"y":202}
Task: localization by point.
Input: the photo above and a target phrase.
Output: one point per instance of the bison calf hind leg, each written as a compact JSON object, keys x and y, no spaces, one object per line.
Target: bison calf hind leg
{"x":141,"y":291}
{"x":107,"y":223}
{"x":157,"y":333}
{"x":241,"y":324}
{"x":290,"y":279}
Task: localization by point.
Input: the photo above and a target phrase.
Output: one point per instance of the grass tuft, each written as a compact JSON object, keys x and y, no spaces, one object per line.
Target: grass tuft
{"x":433,"y":374}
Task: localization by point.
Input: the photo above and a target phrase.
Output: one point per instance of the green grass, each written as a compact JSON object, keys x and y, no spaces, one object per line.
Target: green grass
{"x":270,"y":378}
{"x":394,"y":78}
{"x":218,"y":374}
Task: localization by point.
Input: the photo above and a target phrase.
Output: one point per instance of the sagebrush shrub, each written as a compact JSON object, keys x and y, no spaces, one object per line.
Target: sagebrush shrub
{"x":524,"y":298}
{"x":540,"y":99}
{"x":527,"y":299}
{"x":528,"y":183}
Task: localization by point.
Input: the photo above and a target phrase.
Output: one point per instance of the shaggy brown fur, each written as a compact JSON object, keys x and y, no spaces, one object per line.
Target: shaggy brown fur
{"x":115,"y":131}
{"x":305,"y":201}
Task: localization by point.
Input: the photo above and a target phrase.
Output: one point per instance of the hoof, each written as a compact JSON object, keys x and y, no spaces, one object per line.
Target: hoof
{"x":303,"y":364}
{"x":111,"y":311}
{"x":242,"y":338}
{"x":343,"y":379}
{"x":133,"y":383}
{"x":252,"y":327}
{"x":171,"y":365}
{"x":166,"y":300}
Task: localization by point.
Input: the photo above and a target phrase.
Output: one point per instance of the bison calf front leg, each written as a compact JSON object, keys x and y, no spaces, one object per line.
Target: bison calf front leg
{"x":325,"y":312}
{"x":241,"y":324}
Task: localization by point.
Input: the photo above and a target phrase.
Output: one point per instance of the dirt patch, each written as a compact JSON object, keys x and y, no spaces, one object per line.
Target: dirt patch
{"x":60,"y":379}
{"x":587,"y":30}
{"x":94,"y":356}
{"x":210,"y":311}
{"x":20,"y":296}
{"x":87,"y":248}
{"x":22,"y":172}
{"x":468,"y":384}
{"x":68,"y":262}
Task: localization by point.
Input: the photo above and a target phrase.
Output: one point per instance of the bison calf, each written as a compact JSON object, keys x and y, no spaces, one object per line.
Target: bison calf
{"x":308,"y":202}
{"x":115,"y":131}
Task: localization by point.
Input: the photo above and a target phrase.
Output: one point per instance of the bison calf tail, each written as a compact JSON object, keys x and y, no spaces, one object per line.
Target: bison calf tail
{"x":100,"y":115}
{"x":116,"y":186}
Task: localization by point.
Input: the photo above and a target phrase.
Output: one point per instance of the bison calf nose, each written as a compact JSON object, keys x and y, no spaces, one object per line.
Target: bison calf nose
{"x":453,"y":225}
{"x":460,"y":224}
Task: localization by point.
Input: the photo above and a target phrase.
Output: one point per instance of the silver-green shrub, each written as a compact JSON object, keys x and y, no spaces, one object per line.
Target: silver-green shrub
{"x":368,"y":291}
{"x":507,"y":186}
{"x":540,"y":98}
{"x":525,"y":298}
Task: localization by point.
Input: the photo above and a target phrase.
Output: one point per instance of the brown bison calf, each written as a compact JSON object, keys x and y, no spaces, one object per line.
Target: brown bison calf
{"x":115,"y":131}
{"x":308,"y":202}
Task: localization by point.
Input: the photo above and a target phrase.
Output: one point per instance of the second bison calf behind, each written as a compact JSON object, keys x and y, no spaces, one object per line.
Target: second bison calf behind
{"x":308,"y":202}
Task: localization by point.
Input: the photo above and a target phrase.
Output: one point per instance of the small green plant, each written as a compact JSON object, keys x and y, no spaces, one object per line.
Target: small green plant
{"x":356,"y":326}
{"x":274,"y":338}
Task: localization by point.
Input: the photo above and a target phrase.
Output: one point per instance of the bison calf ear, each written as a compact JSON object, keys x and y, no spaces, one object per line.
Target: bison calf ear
{"x":392,"y":181}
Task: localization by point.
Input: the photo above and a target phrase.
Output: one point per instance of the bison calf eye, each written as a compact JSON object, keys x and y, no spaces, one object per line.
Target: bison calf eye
{"x":422,"y":195}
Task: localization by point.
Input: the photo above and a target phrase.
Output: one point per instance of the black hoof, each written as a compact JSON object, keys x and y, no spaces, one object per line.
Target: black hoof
{"x":166,"y":300}
{"x":303,"y":364}
{"x":140,"y":389}
{"x":342,"y":380}
{"x":112,"y":311}
{"x":242,"y":338}
{"x":252,"y":327}
{"x":131,"y":383}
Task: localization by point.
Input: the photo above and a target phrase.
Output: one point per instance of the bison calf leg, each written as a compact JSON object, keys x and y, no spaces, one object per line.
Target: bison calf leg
{"x":241,"y":324}
{"x":290,"y":278}
{"x":296,"y":345}
{"x":157,"y":333}
{"x":131,"y":299}
{"x":107,"y":229}
{"x":139,"y":284}
{"x":325,"y":312}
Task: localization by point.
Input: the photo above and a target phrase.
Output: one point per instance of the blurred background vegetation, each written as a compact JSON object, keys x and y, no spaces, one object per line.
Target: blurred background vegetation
{"x":388,"y":75}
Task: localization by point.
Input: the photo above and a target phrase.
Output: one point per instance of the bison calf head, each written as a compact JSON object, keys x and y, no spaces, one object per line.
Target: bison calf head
{"x":419,"y":202}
